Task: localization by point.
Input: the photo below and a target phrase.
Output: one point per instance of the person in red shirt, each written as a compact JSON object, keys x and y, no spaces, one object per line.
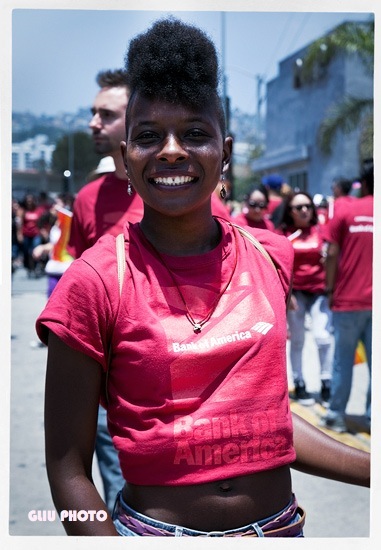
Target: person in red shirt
{"x":255,"y":209}
{"x":30,"y":230}
{"x":104,"y":205}
{"x":349,"y":286}
{"x":341,"y":195}
{"x":190,"y":349}
{"x":299,"y":223}
{"x":274,"y":183}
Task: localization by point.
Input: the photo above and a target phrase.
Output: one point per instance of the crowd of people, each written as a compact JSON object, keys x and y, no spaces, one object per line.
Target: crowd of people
{"x":332,"y":238}
{"x":33,"y":218}
{"x":184,"y":368}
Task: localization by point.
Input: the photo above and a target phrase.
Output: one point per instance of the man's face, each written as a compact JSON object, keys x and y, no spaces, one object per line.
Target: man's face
{"x":107,"y":123}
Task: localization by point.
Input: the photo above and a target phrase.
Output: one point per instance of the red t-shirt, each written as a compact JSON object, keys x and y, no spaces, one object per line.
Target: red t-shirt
{"x":185,"y":408}
{"x":352,"y":229}
{"x":242,"y":220}
{"x":29,"y":221}
{"x":309,"y":271}
{"x":340,"y":202}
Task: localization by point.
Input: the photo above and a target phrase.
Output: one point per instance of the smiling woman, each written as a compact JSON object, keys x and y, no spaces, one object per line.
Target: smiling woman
{"x":193,"y":345}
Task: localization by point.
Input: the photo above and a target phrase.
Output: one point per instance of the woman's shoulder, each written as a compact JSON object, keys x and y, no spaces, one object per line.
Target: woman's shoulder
{"x":97,"y":267}
{"x":269,"y":238}
{"x":277,"y":246}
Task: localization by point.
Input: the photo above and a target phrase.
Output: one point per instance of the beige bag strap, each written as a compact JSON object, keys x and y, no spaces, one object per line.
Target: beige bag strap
{"x":121,"y":266}
{"x":256,"y":243}
{"x":121,"y":260}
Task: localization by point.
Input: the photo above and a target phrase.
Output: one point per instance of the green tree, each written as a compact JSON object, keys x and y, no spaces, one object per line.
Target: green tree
{"x":75,"y":152}
{"x":346,"y":115}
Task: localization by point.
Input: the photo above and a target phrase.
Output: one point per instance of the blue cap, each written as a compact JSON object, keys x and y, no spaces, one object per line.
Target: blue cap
{"x":274,"y":181}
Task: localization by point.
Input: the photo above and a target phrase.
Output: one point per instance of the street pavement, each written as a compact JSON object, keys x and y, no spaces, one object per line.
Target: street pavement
{"x":333,"y":509}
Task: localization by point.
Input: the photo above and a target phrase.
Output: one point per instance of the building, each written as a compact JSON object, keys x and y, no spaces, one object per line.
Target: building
{"x":295,"y":110}
{"x":32,"y":153}
{"x":31,"y":162}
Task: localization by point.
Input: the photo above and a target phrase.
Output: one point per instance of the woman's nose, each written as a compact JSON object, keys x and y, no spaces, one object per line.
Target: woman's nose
{"x":172,"y":150}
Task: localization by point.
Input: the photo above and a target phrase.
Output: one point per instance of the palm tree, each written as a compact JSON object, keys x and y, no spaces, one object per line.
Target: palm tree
{"x":346,"y":115}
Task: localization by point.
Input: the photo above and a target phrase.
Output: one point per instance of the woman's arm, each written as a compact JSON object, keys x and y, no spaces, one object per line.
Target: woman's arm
{"x":73,"y":384}
{"x":321,"y":455}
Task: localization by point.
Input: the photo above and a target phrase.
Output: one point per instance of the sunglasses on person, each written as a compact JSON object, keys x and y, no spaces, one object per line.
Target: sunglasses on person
{"x":255,"y":204}
{"x":299,"y":207}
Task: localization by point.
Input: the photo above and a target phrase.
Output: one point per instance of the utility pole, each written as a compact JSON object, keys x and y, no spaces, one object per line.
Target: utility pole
{"x":224,"y":81}
{"x":225,"y":98}
{"x":260,"y":83}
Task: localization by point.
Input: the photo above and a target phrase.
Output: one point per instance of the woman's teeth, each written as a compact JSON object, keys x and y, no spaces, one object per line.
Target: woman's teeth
{"x":175,"y":180}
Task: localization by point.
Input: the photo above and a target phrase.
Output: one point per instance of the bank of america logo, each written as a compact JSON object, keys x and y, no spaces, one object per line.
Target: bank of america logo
{"x":262,"y":327}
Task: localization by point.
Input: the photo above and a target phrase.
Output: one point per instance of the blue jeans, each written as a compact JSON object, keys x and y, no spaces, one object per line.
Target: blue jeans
{"x":29,"y":243}
{"x":178,"y":531}
{"x":349,"y":328}
{"x":321,"y":327}
{"x":108,"y":461}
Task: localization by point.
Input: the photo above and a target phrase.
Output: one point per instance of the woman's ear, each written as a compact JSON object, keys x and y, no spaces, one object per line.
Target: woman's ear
{"x":227,"y":154}
{"x":123,"y":150}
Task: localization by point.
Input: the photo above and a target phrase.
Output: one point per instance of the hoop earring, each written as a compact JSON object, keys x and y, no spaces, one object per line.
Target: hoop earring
{"x":130,"y":191}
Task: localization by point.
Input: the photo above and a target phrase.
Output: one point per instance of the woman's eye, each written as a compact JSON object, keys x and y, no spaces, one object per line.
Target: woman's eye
{"x":195,"y":133}
{"x":146,"y":137}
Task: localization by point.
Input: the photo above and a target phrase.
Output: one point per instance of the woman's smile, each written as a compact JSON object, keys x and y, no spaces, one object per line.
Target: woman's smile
{"x":172,"y":181}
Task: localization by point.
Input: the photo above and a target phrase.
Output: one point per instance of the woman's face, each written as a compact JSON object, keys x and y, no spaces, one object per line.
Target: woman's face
{"x":301,"y":210}
{"x":174,"y":155}
{"x":256,"y":206}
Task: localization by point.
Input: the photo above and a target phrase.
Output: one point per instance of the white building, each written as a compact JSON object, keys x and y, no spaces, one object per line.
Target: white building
{"x":33,"y":153}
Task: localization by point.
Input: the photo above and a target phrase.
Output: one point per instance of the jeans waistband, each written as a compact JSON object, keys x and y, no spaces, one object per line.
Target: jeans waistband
{"x":288,"y":522}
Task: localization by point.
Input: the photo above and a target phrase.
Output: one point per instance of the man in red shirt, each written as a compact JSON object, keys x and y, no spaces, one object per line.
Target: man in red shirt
{"x":103,"y":206}
{"x":349,"y":287}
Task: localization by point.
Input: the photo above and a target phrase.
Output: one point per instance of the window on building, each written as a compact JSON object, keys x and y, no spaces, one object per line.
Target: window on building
{"x":15,"y":161}
{"x":299,"y":180}
{"x":28,"y":161}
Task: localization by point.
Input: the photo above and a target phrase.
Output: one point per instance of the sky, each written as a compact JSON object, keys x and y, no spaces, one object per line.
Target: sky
{"x":56,"y":53}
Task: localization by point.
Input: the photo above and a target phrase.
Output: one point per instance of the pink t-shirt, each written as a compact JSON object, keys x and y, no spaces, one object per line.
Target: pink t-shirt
{"x":30,"y":222}
{"x":309,"y":271}
{"x":243,"y":221}
{"x":185,"y":408}
{"x":352,"y":229}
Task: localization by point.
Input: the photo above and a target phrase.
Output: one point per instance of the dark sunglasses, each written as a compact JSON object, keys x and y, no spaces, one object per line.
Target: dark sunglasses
{"x":299,"y":207}
{"x":255,"y":204}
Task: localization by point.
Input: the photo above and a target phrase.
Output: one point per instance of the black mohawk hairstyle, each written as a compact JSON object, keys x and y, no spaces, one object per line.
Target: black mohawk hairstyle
{"x":174,"y":62}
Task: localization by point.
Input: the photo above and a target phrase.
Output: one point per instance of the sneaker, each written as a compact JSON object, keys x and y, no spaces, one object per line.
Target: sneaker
{"x":325,"y":392}
{"x":334,"y":423}
{"x":301,"y":395}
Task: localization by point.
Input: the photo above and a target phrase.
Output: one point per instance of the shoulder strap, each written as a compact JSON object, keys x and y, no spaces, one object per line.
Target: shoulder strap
{"x":256,"y":243}
{"x":121,"y":266}
{"x":121,"y":260}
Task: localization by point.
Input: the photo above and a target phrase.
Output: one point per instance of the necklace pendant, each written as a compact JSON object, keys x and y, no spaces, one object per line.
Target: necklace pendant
{"x":196,"y":327}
